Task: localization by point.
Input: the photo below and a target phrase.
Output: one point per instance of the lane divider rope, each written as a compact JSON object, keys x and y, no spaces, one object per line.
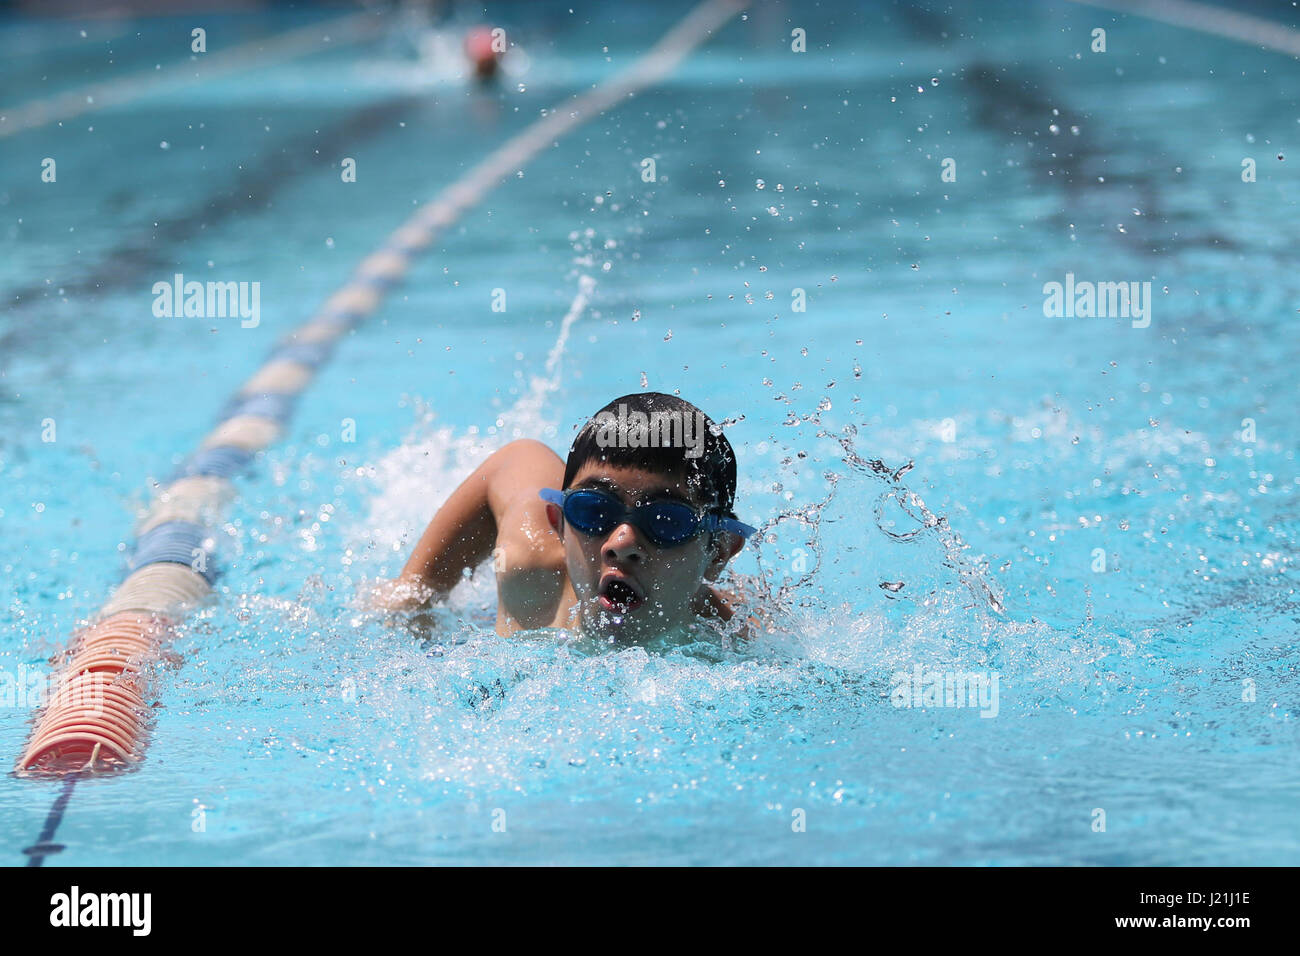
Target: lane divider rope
{"x":70,"y":104}
{"x":1217,"y":21}
{"x":102,"y":716}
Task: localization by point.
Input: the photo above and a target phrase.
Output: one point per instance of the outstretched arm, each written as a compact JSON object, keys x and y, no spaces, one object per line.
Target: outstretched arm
{"x":464,"y":531}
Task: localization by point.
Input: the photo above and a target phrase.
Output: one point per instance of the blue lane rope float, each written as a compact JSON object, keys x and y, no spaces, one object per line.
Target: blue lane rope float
{"x":277,"y":406}
{"x":166,"y":577}
{"x":223,"y":461}
{"x":175,"y":542}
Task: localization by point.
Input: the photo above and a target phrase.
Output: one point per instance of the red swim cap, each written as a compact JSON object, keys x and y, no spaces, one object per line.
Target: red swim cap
{"x":478,"y":47}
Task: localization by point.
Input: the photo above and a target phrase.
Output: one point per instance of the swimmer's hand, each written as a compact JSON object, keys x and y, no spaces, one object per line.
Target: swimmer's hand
{"x":404,"y":593}
{"x":712,"y":601}
{"x":716,"y":602}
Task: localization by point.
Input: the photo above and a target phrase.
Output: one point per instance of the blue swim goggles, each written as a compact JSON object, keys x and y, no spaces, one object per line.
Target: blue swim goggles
{"x":666,"y":523}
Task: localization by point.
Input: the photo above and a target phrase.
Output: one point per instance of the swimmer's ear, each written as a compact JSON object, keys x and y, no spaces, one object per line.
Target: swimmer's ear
{"x":554,"y":516}
{"x":724,"y":547}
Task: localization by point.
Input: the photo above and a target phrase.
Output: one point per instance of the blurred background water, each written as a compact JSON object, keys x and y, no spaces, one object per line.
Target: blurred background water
{"x":1105,"y":516}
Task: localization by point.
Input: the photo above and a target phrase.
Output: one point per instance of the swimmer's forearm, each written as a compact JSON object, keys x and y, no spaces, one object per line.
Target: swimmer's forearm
{"x":711,"y":601}
{"x":464,"y":531}
{"x":461,"y":535}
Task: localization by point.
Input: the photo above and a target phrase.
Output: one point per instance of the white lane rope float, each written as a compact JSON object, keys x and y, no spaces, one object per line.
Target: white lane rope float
{"x":1217,"y":21}
{"x":96,"y":713}
{"x":342,"y":31}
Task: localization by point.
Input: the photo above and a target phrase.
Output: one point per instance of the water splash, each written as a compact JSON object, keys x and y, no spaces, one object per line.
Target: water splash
{"x":431,"y":463}
{"x":894,"y":504}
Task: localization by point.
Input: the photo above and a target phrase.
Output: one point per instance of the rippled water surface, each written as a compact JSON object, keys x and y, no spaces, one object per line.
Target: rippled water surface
{"x":1105,"y":517}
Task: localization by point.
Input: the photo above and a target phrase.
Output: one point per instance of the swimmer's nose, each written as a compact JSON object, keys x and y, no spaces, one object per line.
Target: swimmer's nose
{"x":624,"y":544}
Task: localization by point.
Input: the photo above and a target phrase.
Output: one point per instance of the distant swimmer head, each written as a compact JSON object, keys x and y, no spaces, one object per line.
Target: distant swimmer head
{"x":645,"y":514}
{"x":483,"y":48}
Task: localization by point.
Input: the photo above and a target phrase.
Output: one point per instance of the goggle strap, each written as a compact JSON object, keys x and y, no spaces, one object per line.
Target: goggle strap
{"x":717,"y":523}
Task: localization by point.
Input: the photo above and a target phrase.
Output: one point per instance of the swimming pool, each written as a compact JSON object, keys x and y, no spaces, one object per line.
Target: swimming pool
{"x":1109,"y":520}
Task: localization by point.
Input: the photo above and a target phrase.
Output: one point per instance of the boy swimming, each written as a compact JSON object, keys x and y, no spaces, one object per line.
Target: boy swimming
{"x":622,"y":541}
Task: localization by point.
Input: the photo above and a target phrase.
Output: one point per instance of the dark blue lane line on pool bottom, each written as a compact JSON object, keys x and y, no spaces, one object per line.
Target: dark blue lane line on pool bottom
{"x":153,"y":250}
{"x":45,"y":845}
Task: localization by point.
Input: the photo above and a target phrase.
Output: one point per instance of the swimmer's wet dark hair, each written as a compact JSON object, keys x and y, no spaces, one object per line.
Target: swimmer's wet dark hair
{"x":611,"y":437}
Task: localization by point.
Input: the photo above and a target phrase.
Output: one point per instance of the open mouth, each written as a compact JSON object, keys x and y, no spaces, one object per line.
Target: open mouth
{"x":619,"y":595}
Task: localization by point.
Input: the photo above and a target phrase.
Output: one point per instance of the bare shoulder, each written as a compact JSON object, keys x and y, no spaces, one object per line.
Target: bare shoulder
{"x":521,"y":469}
{"x":525,"y":537}
{"x":529,"y":556}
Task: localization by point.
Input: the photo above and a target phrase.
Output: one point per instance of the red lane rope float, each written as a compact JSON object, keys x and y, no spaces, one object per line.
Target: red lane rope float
{"x":98,"y":713}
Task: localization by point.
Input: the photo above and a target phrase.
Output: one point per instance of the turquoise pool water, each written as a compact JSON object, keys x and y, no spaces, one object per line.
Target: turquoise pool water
{"x":1104,"y":516}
